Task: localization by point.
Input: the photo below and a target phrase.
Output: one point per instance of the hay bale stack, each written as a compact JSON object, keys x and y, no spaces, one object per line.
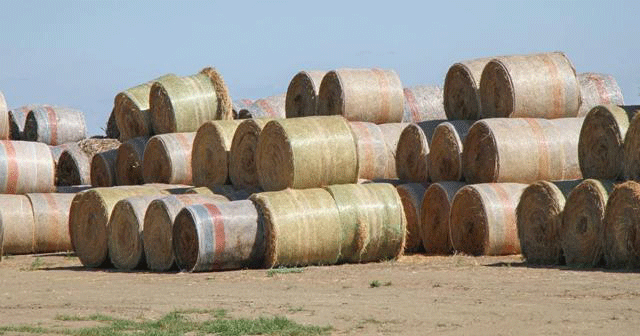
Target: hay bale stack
{"x":445,"y":151}
{"x":373,"y":95}
{"x":411,"y":195}
{"x":182,"y":104}
{"x":462,"y":90}
{"x":302,"y":94}
{"x":56,"y":151}
{"x":129,"y":161}
{"x":167,"y":158}
{"x":103,"y":169}
{"x":269,"y":107}
{"x":522,"y":150}
{"x":422,"y":103}
{"x":74,"y":165}
{"x":26,"y":167}
{"x":17,"y":121}
{"x":89,"y":218}
{"x":412,"y":153}
{"x":621,"y":226}
{"x":598,"y":89}
{"x":157,"y":233}
{"x":55,"y":125}
{"x":243,"y":171}
{"x":306,"y":152}
{"x":483,"y":219}
{"x":51,"y":222}
{"x":631,"y":154}
{"x":218,"y":236}
{"x":131,"y":110}
{"x":539,"y":216}
{"x":239,"y":105}
{"x":376,"y":147}
{"x":112,"y":131}
{"x":530,"y":86}
{"x":210,"y":155}
{"x":16,"y":219}
{"x":435,"y":213}
{"x":600,"y":146}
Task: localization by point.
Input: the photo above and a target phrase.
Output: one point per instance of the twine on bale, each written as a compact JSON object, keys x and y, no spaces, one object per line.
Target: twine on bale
{"x":51,"y":222}
{"x":530,"y":86}
{"x":373,"y":95}
{"x":422,"y":103}
{"x":103,"y":169}
{"x":598,"y":89}
{"x":539,"y":219}
{"x":182,"y":104}
{"x":269,"y":107}
{"x":210,"y":155}
{"x":25,"y":167}
{"x":239,"y":105}
{"x":302,"y":94}
{"x":129,"y":161}
{"x":4,"y":119}
{"x":74,"y":164}
{"x":306,"y":152}
{"x":483,"y":219}
{"x":522,"y":150}
{"x":411,"y":195}
{"x":582,"y":231}
{"x":412,"y":154}
{"x":218,"y":236}
{"x":462,"y":90}
{"x":55,"y":125}
{"x":243,"y":171}
{"x":600,"y":146}
{"x":621,"y":226}
{"x":18,"y":226}
{"x":445,"y":151}
{"x":167,"y":158}
{"x":112,"y":131}
{"x":435,"y":213}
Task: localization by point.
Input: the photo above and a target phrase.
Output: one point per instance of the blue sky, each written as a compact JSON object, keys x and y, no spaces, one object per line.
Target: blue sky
{"x":81,"y":53}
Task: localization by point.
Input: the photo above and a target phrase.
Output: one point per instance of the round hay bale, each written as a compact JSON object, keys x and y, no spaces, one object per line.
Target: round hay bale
{"x":483,"y":219}
{"x":435,"y":212}
{"x":269,"y":107}
{"x":422,"y":103}
{"x":539,"y":218}
{"x":306,"y":152}
{"x":89,"y":218}
{"x":582,"y":232}
{"x":228,"y":191}
{"x":55,"y":125}
{"x":210,"y":155}
{"x":301,"y":227}
{"x":218,"y":236}
{"x":129,"y":161}
{"x":74,"y":164}
{"x":103,"y":169}
{"x":157,"y":233}
{"x":412,"y":153}
{"x":376,"y":148}
{"x":462,"y":90}
{"x":167,"y":158}
{"x":621,"y":226}
{"x":391,"y":134}
{"x":600,"y":146}
{"x":72,"y":189}
{"x":182,"y":104}
{"x":112,"y":131}
{"x":631,"y":154}
{"x":411,"y":195}
{"x":373,"y":95}
{"x":302,"y":94}
{"x":51,"y":222}
{"x":131,"y":110}
{"x":598,"y":89}
{"x":56,"y":151}
{"x":25,"y":167}
{"x":530,"y":86}
{"x":522,"y":150}
{"x":445,"y":151}
{"x":239,"y":105}
{"x":17,"y":121}
{"x":18,"y":226}
{"x":243,"y":171}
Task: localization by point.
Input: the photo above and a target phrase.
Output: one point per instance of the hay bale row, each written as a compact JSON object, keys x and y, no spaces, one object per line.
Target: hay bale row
{"x":129,"y":161}
{"x":210,"y":153}
{"x":54,"y":125}
{"x":376,"y":148}
{"x":302,"y":94}
{"x":167,"y":158}
{"x":422,"y":103}
{"x":74,"y":164}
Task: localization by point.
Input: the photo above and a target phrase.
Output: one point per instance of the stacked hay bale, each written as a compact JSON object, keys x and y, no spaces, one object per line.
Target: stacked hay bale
{"x":435,"y":228}
{"x":412,"y":153}
{"x":598,"y":89}
{"x":412,"y":196}
{"x":74,"y":164}
{"x":302,"y":94}
{"x":129,"y":161}
{"x":621,"y":246}
{"x":103,"y":168}
{"x":210,"y":154}
{"x":376,"y":147}
{"x":243,"y":171}
{"x":55,"y":125}
{"x":26,"y":167}
{"x":269,"y":107}
{"x":631,"y":154}
{"x":423,"y":102}
{"x":17,"y":121}
{"x":167,"y":158}
{"x":239,"y":105}
{"x":445,"y":150}
{"x":461,"y":99}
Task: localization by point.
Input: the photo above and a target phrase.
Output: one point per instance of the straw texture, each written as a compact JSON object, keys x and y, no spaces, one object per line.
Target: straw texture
{"x":631,"y":154}
{"x":598,"y":89}
{"x":435,"y":213}
{"x":483,"y":219}
{"x":522,"y":150}
{"x":129,"y":161}
{"x":302,"y":94}
{"x":55,"y":125}
{"x":530,"y":86}
{"x":16,"y":219}
{"x":422,"y":103}
{"x":51,"y":222}
{"x":373,"y":95}
{"x":112,"y":131}
{"x":621,"y":226}
{"x":103,"y":169}
{"x":4,"y":119}
{"x":269,"y":107}
{"x":462,"y":90}
{"x":411,"y":195}
{"x":243,"y":171}
{"x":239,"y":105}
{"x":376,"y":147}
{"x":210,"y":155}
{"x":74,"y":164}
{"x":306,"y":152}
{"x":25,"y":167}
{"x":167,"y":158}
{"x":445,"y":151}
{"x":412,"y":153}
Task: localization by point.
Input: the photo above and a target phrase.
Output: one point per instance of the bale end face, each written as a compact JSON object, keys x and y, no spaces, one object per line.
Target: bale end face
{"x":445,"y":154}
{"x":157,"y":165}
{"x":88,"y":218}
{"x":162,"y":111}
{"x":125,"y":241}
{"x":225,"y":105}
{"x":622,"y":227}
{"x":468,"y":223}
{"x":600,"y":145}
{"x":185,"y":240}
{"x":68,"y":171}
{"x":242,"y":155}
{"x":302,"y":94}
{"x":128,"y":118}
{"x":496,"y":91}
{"x":412,"y":155}
{"x":331,"y":96}
{"x":102,"y":170}
{"x":461,"y":98}
{"x":274,"y":158}
{"x":129,"y":162}
{"x":480,"y":155}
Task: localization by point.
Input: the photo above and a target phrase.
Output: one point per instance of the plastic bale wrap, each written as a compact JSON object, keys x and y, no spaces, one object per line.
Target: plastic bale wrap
{"x":530,"y":86}
{"x":74,"y":164}
{"x":301,"y":227}
{"x":621,"y":241}
{"x":522,"y":150}
{"x":411,"y":195}
{"x":435,"y":214}
{"x":269,"y":107}
{"x":210,"y":155}
{"x":129,"y":161}
{"x":239,"y":105}
{"x":55,"y":125}
{"x":306,"y":152}
{"x":182,"y":104}
{"x":51,"y":221}
{"x":483,"y":219}
{"x":412,"y":153}
{"x":302,"y":94}
{"x":422,"y":103}
{"x":373,"y":95}
{"x":26,"y":167}
{"x":18,"y":226}
{"x":539,"y":216}
{"x":376,"y":147}
{"x":598,"y":89}
{"x":218,"y":236}
{"x":445,"y":151}
{"x":462,"y":90}
{"x":17,"y":121}
{"x":167,"y":158}
{"x":243,"y":171}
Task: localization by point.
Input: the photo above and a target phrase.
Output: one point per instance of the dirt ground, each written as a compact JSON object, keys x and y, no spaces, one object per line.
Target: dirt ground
{"x":418,"y":295}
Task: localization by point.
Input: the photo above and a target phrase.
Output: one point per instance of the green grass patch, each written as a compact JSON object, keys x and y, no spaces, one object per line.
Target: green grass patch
{"x":284,"y":270}
{"x":376,"y":284}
